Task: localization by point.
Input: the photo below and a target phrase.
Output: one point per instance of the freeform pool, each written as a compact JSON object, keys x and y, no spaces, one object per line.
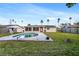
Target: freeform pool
{"x":35,"y":36}
{"x":26,"y":35}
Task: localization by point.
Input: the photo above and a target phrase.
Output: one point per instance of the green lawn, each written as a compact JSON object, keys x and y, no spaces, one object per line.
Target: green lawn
{"x":1,"y":35}
{"x":57,"y":47}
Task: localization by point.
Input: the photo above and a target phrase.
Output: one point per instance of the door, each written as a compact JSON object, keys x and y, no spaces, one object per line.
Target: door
{"x":41,"y":29}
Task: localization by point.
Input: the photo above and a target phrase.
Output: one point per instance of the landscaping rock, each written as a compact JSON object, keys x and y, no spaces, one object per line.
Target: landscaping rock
{"x":68,"y":40}
{"x":47,"y":38}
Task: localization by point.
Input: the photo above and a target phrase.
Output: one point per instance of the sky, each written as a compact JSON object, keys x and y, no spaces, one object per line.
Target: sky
{"x":32,"y":13}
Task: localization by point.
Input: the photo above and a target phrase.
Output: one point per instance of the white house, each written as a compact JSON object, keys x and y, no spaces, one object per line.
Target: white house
{"x":41,"y":28}
{"x":37,"y":28}
{"x":15,"y":28}
{"x":11,"y":29}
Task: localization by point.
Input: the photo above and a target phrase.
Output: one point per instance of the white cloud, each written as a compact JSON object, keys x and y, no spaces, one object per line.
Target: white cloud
{"x":33,"y":14}
{"x":51,"y":18}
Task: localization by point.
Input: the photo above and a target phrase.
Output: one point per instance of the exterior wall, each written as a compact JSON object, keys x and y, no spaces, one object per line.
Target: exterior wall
{"x":32,"y":30}
{"x":71,"y":30}
{"x":16,"y":28}
{"x":68,"y":30}
{"x":20,"y":30}
{"x":78,"y":30}
{"x":51,"y":30}
{"x":8,"y":29}
{"x":44,"y":29}
{"x":75,"y":30}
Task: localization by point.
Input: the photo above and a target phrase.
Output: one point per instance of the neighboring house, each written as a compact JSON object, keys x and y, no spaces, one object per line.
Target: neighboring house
{"x":15,"y":28}
{"x":3,"y":29}
{"x":10,"y":29}
{"x":64,"y":27}
{"x":41,"y":28}
{"x":70,"y":28}
{"x":74,"y":29}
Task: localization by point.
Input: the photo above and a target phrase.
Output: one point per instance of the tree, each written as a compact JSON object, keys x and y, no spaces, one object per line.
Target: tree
{"x":70,"y":19}
{"x":47,"y":21}
{"x":70,"y":22}
{"x":41,"y":22}
{"x":58,"y":20}
{"x":10,"y":21}
{"x":69,"y":5}
{"x":22,"y":21}
{"x":13,"y":20}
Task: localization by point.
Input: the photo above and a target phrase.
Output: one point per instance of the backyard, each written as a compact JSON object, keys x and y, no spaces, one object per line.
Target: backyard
{"x":55,"y":48}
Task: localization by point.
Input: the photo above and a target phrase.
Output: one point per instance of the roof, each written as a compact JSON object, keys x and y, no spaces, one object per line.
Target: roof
{"x":40,"y":26}
{"x":9,"y":25}
{"x":1,"y":26}
{"x":15,"y":25}
{"x":73,"y":26}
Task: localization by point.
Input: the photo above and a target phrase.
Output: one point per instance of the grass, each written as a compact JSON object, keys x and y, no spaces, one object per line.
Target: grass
{"x":55,"y":48}
{"x":2,"y":35}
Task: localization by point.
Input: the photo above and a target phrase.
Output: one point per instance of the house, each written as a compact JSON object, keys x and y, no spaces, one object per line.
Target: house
{"x":15,"y":28}
{"x":3,"y":29}
{"x":40,"y":28}
{"x":74,"y":29}
{"x":70,"y":28}
{"x":10,"y":29}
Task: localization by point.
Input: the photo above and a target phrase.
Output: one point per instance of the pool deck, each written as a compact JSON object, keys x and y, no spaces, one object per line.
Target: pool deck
{"x":10,"y":37}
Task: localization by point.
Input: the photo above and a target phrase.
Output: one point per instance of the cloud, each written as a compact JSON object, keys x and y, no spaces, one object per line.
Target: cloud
{"x":51,"y":18}
{"x":31,"y":13}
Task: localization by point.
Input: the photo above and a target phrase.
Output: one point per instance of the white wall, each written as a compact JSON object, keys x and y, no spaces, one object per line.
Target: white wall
{"x":51,"y":30}
{"x":18,"y":29}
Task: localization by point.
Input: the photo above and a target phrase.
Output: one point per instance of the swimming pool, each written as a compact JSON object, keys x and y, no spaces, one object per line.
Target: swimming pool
{"x":26,"y":35}
{"x":35,"y":36}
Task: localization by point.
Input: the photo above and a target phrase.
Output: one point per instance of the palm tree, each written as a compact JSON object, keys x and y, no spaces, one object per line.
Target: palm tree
{"x":41,"y":22}
{"x":48,"y":21}
{"x":70,"y":19}
{"x":58,"y":20}
{"x":22,"y":21}
{"x":70,"y":22}
{"x":10,"y":21}
{"x":13,"y":21}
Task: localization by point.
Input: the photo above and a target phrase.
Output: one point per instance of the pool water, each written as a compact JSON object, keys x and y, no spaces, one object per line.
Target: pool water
{"x":26,"y":35}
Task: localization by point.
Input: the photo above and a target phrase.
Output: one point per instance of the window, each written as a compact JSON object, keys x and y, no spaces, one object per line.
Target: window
{"x":36,"y":29}
{"x":29,"y":28}
{"x":12,"y":29}
{"x":48,"y":28}
{"x":26,"y":29}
